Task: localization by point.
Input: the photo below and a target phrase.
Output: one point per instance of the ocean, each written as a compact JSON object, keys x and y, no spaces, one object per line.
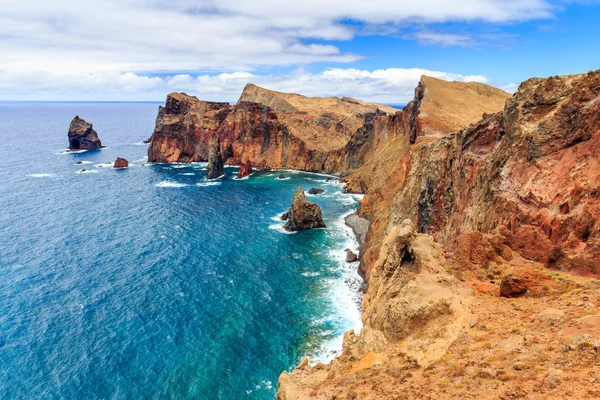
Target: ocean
{"x":151,"y":282}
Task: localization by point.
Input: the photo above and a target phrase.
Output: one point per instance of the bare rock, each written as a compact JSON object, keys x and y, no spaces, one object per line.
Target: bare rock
{"x":314,"y":191}
{"x":351,"y":256}
{"x":121,"y":163}
{"x":245,"y":169}
{"x":214,"y":169}
{"x":82,"y":136}
{"x":303,"y":214}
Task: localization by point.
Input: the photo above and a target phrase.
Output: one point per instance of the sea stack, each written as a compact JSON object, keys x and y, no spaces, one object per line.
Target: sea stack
{"x":214,"y":169}
{"x":303,"y":214}
{"x":82,"y":136}
{"x":245,"y":169}
{"x":121,"y":163}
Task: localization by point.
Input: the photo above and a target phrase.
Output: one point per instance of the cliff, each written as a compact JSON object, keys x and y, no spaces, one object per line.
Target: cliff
{"x":267,"y":128}
{"x":481,"y":259}
{"x":441,"y":107}
{"x":483,"y":249}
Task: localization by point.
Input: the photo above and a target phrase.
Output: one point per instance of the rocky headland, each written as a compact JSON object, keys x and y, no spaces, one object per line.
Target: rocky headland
{"x":82,"y":136}
{"x":482,"y":254}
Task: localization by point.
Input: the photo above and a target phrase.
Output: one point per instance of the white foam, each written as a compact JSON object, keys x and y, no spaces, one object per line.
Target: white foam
{"x":244,"y":177}
{"x":314,"y":195}
{"x":277,"y":217}
{"x":310,"y":274}
{"x":187,"y":174}
{"x":87,"y":171}
{"x":166,"y":184}
{"x":343,"y":291}
{"x":104,"y":165}
{"x":279,"y":228}
{"x":283,"y":179}
{"x":208,"y":183}
{"x":40,"y":175}
{"x":179,"y":166}
{"x":67,"y":151}
{"x":83,"y":162}
{"x":141,"y":144}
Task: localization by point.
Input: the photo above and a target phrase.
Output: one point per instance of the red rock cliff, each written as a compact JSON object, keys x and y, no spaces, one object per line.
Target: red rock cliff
{"x":266,"y":128}
{"x":494,"y":307}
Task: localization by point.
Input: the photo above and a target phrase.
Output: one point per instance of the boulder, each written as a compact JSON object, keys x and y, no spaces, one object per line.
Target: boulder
{"x":315,"y":191}
{"x":281,"y":176}
{"x":303,"y":214}
{"x":82,"y":136}
{"x":121,"y":163}
{"x":524,"y":282}
{"x":351,"y":256}
{"x":245,"y":169}
{"x":214,"y":169}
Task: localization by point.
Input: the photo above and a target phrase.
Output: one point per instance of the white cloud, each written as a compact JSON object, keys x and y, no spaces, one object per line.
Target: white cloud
{"x":392,"y":85}
{"x":444,"y":39}
{"x":62,"y":36}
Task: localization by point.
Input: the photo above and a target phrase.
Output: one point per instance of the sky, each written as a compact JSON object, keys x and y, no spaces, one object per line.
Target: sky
{"x":375,"y":50}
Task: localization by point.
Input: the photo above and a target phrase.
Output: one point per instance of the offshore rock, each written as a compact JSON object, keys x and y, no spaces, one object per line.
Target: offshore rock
{"x":303,"y":214}
{"x":121,"y":163}
{"x":351,"y":256}
{"x":82,"y":136}
{"x":245,"y":169}
{"x":314,"y":191}
{"x":214,"y":168}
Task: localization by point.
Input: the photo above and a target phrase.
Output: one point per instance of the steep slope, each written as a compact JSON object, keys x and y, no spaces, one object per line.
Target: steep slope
{"x":513,"y":201}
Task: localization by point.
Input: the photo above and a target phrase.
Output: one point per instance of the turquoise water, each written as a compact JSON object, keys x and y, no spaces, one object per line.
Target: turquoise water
{"x":149,"y":283}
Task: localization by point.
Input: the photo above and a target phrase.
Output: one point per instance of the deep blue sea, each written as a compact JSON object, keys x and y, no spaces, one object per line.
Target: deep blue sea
{"x":149,"y":282}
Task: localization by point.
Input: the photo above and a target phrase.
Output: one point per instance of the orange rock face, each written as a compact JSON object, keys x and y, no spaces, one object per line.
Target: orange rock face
{"x":245,"y":169}
{"x":267,"y":128}
{"x":527,"y":173}
{"x":495,"y":306}
{"x":121,"y":163}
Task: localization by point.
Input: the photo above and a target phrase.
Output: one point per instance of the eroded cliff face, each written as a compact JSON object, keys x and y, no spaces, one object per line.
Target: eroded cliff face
{"x":487,"y":295}
{"x":441,"y":107}
{"x":484,"y":244}
{"x":267,"y":128}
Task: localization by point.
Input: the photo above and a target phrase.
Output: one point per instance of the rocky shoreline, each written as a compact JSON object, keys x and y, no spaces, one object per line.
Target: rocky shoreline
{"x":359,"y":225}
{"x":465,"y":188}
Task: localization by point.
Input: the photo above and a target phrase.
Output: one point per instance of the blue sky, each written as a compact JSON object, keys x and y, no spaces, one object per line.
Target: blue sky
{"x":143,"y":49}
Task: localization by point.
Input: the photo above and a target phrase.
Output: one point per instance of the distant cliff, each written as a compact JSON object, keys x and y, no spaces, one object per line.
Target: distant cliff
{"x":268,"y":128}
